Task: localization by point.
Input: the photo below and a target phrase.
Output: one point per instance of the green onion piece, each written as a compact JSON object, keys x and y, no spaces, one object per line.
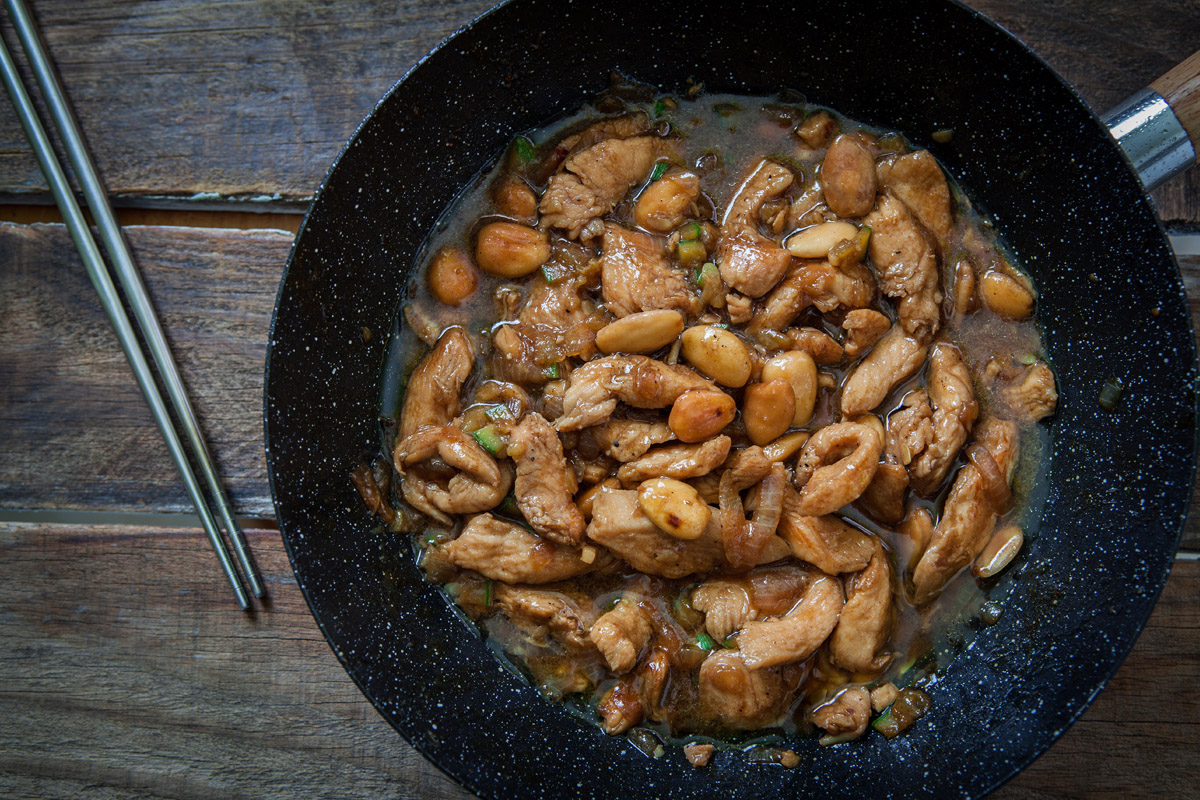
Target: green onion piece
{"x":552,"y":372}
{"x":1110,"y":393}
{"x":509,"y":505}
{"x":660,"y":169}
{"x":659,"y":107}
{"x":706,"y":272}
{"x":1028,"y":359}
{"x":524,"y":149}
{"x":728,"y":643}
{"x":554,"y":272}
{"x":489,"y":439}
{"x":705,"y":642}
{"x":690,"y":231}
{"x":691,"y":252}
{"x":841,"y":738}
{"x":722,"y":325}
{"x":499,"y":411}
{"x":487,"y":594}
{"x":884,"y":723}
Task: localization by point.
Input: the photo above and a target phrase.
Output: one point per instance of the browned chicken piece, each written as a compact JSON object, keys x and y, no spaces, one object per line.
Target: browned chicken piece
{"x":1032,"y":395}
{"x":595,"y":179}
{"x":906,"y":262}
{"x":539,"y":612}
{"x":816,"y":130}
{"x":431,"y":396}
{"x":827,"y":287}
{"x":726,"y":607}
{"x":741,"y":697}
{"x":845,"y":716}
{"x":818,"y":344}
{"x":828,"y":543}
{"x":594,"y":389}
{"x":620,"y":708}
{"x":620,"y":634}
{"x":740,"y":308}
{"x":954,"y":411}
{"x":619,"y":524}
{"x":797,"y":635}
{"x":917,"y":179}
{"x":628,"y":439}
{"x":862,"y":632}
{"x":551,"y":401}
{"x":910,"y":428}
{"x":545,"y":487}
{"x":621,"y":127}
{"x":883,"y":500}
{"x":836,"y":466}
{"x":729,"y":604}
{"x":677,"y":461}
{"x":477,"y":482}
{"x":893,"y":359}
{"x":806,"y":209}
{"x":864,"y":327}
{"x":636,"y":275}
{"x":745,"y":539}
{"x":750,"y":262}
{"x":504,"y":551}
{"x":968,"y":517}
{"x":784,"y":303}
{"x":848,"y":178}
{"x":698,"y":754}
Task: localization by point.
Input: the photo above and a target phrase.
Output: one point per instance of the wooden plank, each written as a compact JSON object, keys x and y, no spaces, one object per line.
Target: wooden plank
{"x":199,"y":100}
{"x":79,"y":435}
{"x":128,"y":673}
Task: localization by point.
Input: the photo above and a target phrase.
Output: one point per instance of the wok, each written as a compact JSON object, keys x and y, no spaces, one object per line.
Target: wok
{"x":1028,"y":151}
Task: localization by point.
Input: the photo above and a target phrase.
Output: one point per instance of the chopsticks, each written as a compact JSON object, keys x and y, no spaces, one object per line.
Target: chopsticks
{"x":134,"y":290}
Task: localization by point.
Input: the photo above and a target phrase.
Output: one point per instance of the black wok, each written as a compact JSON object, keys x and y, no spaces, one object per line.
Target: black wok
{"x":1025,"y":148}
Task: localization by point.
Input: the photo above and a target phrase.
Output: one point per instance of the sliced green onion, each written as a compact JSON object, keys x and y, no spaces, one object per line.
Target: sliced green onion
{"x":489,"y":439}
{"x":524,"y":149}
{"x":552,"y":372}
{"x":509,"y":505}
{"x":659,"y":107}
{"x":1110,"y":393}
{"x":499,"y":411}
{"x":691,"y":252}
{"x":554,"y":272}
{"x":660,"y":169}
{"x":690,"y":231}
{"x":1028,"y":359}
{"x":705,"y":642}
{"x":707,"y":272}
{"x":728,"y":643}
{"x":487,"y":594}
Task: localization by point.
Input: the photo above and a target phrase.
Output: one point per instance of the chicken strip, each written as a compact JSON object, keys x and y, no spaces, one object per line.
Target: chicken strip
{"x":545,"y":486}
{"x":750,"y":262}
{"x":504,"y":551}
{"x":893,"y":359}
{"x":906,"y":262}
{"x":594,"y":389}
{"x":431,"y":396}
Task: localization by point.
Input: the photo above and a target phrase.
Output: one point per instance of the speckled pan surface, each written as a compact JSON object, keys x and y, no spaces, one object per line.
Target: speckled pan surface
{"x":1024,"y":146}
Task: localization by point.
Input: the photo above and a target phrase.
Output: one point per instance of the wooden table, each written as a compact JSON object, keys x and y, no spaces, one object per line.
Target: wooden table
{"x":125,"y":670}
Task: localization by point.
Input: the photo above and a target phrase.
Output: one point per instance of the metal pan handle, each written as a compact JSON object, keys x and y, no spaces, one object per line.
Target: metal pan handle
{"x":1159,"y":127}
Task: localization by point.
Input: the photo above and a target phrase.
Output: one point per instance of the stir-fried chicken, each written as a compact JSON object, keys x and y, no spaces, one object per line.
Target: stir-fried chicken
{"x":504,"y":551}
{"x":594,"y":389}
{"x":970,"y":514}
{"x":749,"y":261}
{"x":742,"y":697}
{"x":636,"y":276}
{"x":828,"y":543}
{"x":859,"y":641}
{"x":893,"y":359}
{"x":864,"y":327}
{"x":676,"y":461}
{"x":906,"y":262}
{"x":629,"y":439}
{"x":846,"y":715}
{"x":432,"y":396}
{"x":620,"y":634}
{"x":477,"y":482}
{"x":796,"y":635}
{"x":594,"y":179}
{"x":538,"y":610}
{"x":954,"y":411}
{"x":545,"y":487}
{"x":619,"y":524}
{"x":917,"y":179}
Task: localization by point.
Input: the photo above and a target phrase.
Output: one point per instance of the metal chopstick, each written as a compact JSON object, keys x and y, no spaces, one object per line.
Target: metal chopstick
{"x":98,"y":272}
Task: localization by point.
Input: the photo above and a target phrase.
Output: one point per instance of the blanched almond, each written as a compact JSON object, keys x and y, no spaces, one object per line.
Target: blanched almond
{"x":674,"y":507}
{"x":510,"y":250}
{"x":699,"y":414}
{"x":767,"y":410}
{"x":816,"y":241}
{"x":1005,"y":296}
{"x":785,"y":447}
{"x":999,"y":553}
{"x":643,"y":332}
{"x":717,"y":353}
{"x":800,"y":371}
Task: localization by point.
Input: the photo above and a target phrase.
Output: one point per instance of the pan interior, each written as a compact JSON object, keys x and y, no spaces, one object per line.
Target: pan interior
{"x":1026,"y":150}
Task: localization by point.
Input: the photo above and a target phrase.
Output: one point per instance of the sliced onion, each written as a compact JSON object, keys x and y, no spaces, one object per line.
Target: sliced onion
{"x":995,"y":486}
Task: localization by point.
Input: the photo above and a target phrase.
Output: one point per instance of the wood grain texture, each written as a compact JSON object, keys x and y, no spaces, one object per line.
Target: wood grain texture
{"x":1181,"y":88}
{"x":199,"y":100}
{"x":79,"y":434}
{"x":162,"y":689}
